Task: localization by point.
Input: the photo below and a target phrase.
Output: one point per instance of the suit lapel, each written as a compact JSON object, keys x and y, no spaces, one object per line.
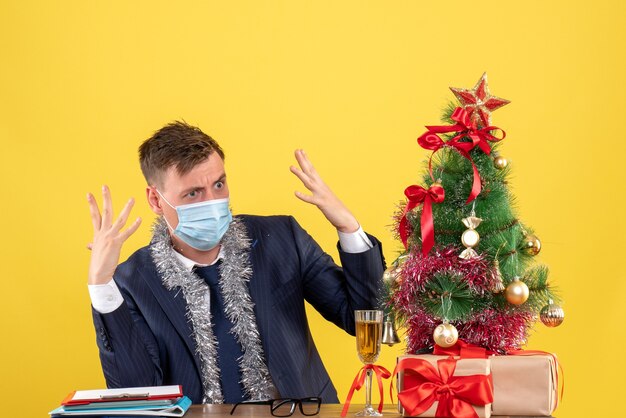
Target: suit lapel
{"x":175,"y":308}
{"x":261,"y":293}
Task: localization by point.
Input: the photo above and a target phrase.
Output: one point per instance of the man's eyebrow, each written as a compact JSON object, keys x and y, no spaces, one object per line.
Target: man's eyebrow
{"x":222,"y":178}
{"x":191,"y":189}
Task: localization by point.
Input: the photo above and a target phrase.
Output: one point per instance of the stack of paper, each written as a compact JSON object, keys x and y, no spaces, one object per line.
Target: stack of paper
{"x":166,"y":401}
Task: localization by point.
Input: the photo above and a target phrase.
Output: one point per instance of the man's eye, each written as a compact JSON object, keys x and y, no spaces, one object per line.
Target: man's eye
{"x":219,"y":185}
{"x":193,"y":193}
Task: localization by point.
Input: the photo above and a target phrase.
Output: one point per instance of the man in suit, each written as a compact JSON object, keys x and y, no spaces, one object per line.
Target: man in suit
{"x":215,"y":302}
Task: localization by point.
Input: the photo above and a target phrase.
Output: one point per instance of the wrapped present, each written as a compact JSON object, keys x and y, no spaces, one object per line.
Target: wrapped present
{"x":524,"y":384}
{"x":444,"y":386}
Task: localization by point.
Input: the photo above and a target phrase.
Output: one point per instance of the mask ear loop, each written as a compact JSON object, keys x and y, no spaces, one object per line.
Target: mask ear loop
{"x":170,"y":205}
{"x":163,"y":197}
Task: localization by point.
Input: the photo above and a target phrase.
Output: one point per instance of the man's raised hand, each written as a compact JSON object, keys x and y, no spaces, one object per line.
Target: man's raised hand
{"x":322,"y":196}
{"x":108,"y":236}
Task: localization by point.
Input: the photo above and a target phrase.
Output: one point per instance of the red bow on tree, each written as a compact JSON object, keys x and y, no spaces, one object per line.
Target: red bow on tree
{"x":417,"y":195}
{"x":464,"y":127}
{"x":455,"y":394}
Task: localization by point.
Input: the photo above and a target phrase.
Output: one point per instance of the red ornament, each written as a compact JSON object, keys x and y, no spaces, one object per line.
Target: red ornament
{"x":478,"y":102}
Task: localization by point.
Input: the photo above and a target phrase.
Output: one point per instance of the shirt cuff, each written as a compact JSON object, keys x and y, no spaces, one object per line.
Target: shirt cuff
{"x":354,"y":242}
{"x":105,"y":298}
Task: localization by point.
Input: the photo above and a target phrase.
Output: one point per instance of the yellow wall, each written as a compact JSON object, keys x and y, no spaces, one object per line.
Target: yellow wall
{"x":352,"y":82}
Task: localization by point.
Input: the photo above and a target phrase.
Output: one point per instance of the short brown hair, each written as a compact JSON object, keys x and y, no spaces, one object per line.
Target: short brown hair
{"x":177,"y":144}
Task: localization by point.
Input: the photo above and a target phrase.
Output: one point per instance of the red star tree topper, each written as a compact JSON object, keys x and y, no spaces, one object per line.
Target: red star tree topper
{"x":478,"y":102}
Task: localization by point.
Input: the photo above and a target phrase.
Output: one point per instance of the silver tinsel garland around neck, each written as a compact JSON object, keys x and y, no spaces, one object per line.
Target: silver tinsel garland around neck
{"x":235,"y":272}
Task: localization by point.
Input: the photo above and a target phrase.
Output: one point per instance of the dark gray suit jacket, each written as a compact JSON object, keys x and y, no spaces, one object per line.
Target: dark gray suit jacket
{"x":148,"y":341}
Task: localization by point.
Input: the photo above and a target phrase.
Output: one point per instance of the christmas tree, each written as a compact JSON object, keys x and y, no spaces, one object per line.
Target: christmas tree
{"x":468,"y":271}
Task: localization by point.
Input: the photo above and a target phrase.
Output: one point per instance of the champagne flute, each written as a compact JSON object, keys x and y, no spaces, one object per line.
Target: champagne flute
{"x":369,"y":328}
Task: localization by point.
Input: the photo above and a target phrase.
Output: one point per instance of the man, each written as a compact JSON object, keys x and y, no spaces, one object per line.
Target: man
{"x":216,"y":303}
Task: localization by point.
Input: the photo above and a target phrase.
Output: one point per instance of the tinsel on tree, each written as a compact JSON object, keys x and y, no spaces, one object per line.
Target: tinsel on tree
{"x":468,"y":268}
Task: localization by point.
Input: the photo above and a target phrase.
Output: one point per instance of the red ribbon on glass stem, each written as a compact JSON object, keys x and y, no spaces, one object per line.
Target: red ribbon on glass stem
{"x":359,"y":381}
{"x":455,"y":394}
{"x":464,"y":127}
{"x":416,"y":195}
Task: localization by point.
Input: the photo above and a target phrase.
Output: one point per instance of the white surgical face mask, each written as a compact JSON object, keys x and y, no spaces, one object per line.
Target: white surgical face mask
{"x":201,"y":225}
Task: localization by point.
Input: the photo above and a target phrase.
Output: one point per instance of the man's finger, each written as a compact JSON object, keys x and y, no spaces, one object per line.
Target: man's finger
{"x":94,"y":211}
{"x":303,"y":161}
{"x":131,"y":229}
{"x":306,"y":180}
{"x":121,"y":220}
{"x":309,"y":169}
{"x":306,"y":198}
{"x":107,"y":207}
{"x":90,"y":246}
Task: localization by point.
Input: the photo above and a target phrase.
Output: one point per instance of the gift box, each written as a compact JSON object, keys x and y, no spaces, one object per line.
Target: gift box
{"x":434,"y":386}
{"x":524,"y":384}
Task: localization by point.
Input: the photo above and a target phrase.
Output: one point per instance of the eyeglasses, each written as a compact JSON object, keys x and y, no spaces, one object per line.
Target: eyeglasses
{"x":286,"y":407}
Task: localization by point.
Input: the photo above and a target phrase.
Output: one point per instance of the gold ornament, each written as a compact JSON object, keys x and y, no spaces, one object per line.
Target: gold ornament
{"x":552,"y":315}
{"x":532,"y":245}
{"x":470,"y":237}
{"x":389,"y":276}
{"x":516,"y":292}
{"x":445,"y":335}
{"x":500,"y":162}
{"x":394,"y":273}
{"x":498,"y":285}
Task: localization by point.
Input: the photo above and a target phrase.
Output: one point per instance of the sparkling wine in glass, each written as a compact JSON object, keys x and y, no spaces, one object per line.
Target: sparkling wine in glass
{"x":369,"y":331}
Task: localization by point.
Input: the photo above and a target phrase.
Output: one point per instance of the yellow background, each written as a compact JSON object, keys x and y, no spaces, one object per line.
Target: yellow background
{"x":82,"y":83}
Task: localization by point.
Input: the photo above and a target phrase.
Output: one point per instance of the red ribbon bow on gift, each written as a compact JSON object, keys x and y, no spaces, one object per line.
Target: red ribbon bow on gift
{"x":464,"y":127}
{"x":463,"y":350}
{"x":417,"y":195}
{"x":455,"y":394}
{"x":380,"y":372}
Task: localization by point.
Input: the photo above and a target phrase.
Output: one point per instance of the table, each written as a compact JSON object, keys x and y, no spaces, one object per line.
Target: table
{"x":262,"y":411}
